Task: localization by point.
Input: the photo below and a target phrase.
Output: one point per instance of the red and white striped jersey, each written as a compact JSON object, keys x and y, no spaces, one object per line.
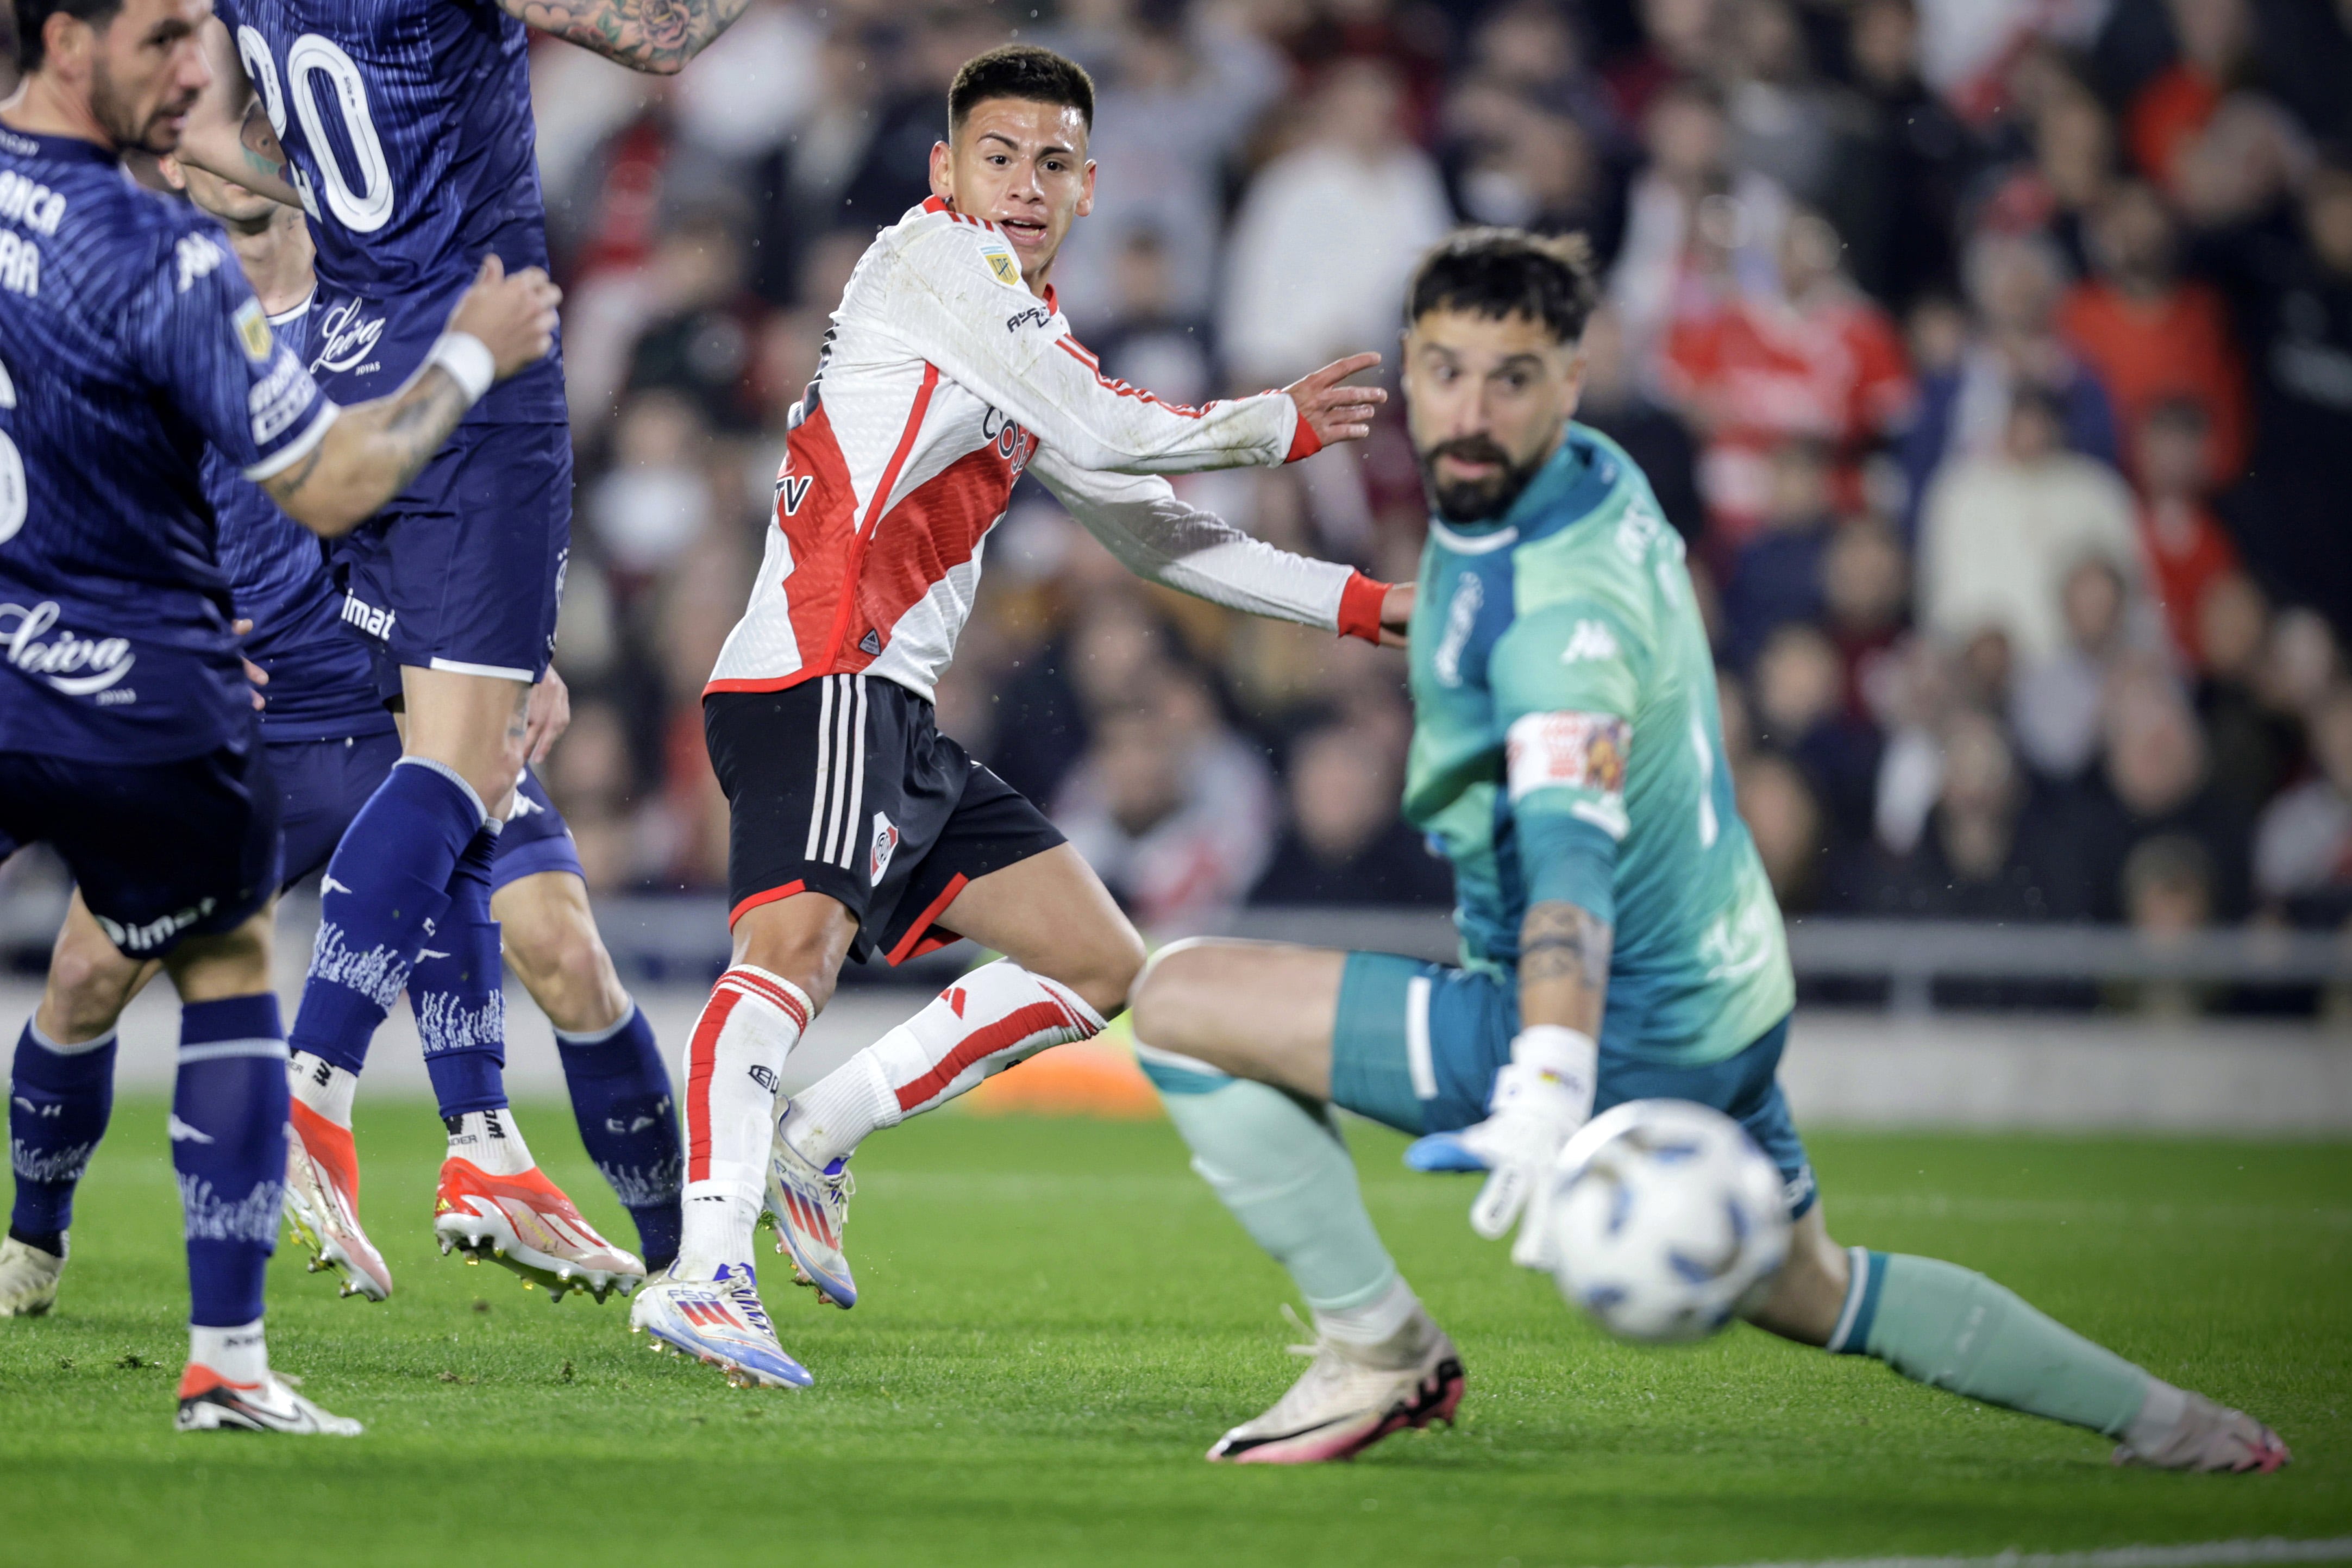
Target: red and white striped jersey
{"x":943,"y":379}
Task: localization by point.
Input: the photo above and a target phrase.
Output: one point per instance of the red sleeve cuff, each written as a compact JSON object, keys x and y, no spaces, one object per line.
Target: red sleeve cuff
{"x":1359,"y":607}
{"x":1304,"y":442}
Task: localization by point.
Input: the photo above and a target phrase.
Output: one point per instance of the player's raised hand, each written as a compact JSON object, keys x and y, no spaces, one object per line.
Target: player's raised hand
{"x":514,"y":316}
{"x":254,"y":674}
{"x":1337,"y":413}
{"x":545,"y":717}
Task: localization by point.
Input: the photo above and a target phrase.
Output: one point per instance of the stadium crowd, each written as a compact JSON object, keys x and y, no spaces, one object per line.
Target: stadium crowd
{"x":1993,"y":356}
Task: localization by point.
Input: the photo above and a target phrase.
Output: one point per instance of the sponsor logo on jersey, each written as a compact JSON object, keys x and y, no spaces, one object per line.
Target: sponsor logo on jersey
{"x":30,"y":203}
{"x":1037,"y":316}
{"x":790,"y":490}
{"x":1013,"y":444}
{"x":886,"y":844}
{"x":1461,"y":616}
{"x":1000,"y":262}
{"x":870,"y":644}
{"x":278,"y":399}
{"x":77,"y":665}
{"x":346,"y":338}
{"x":1571,"y":751}
{"x":20,"y":264}
{"x":1589,"y":640}
{"x":253,"y":331}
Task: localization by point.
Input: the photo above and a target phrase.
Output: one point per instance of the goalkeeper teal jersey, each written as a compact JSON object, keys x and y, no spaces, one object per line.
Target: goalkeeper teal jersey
{"x":1567,"y":745}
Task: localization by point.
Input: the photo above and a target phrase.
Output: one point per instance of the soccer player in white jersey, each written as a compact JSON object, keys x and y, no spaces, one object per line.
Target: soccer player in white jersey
{"x":857,"y":827}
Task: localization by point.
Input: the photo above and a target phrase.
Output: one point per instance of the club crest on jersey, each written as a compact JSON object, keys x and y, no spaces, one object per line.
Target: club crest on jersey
{"x":253,"y":331}
{"x":886,"y":844}
{"x":1000,"y":261}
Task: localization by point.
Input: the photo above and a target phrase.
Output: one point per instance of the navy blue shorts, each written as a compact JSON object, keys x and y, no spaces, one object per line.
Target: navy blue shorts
{"x":163,"y":850}
{"x":465,"y":571}
{"x":321,"y":784}
{"x":1416,"y":1046}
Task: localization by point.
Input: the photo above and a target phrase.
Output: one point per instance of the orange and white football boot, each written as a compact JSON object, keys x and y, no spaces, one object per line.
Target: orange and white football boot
{"x":526,"y":1223}
{"x":322,"y":1204}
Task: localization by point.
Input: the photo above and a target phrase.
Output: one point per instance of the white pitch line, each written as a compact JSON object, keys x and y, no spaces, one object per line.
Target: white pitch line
{"x":2267,"y":1550}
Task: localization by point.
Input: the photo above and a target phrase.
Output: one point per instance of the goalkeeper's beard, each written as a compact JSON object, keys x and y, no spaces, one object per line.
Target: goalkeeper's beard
{"x":1476,"y":500}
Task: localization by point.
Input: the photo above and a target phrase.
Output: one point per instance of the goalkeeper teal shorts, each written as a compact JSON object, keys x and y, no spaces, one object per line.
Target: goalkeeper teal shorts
{"x":1416,"y":1047}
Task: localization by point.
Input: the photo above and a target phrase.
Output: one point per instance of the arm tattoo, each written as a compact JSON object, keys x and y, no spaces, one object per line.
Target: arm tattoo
{"x":1561,"y":942}
{"x":658,"y":35}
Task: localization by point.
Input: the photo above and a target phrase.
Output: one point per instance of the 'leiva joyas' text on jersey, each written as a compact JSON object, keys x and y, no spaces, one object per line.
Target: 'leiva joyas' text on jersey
{"x":943,"y":380}
{"x":129,"y":342}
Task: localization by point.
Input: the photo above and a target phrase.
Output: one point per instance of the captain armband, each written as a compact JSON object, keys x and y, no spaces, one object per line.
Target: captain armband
{"x":1584,"y":753}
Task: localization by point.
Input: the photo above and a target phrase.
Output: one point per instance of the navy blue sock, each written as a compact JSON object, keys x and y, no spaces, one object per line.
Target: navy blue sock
{"x":60,"y":1097}
{"x":385,"y":890}
{"x":621,"y":1097}
{"x":458,"y":991}
{"x":228,"y":1145}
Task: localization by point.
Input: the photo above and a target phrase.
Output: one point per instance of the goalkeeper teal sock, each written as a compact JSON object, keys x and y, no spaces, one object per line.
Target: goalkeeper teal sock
{"x":1952,"y":1328}
{"x":1280,"y":1164}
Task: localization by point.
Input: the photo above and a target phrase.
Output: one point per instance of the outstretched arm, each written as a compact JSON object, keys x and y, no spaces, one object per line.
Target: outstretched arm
{"x":654,"y":36}
{"x":1160,"y":538}
{"x":228,"y":132}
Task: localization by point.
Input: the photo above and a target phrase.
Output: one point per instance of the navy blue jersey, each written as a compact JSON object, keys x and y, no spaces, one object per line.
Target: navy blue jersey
{"x":409,"y":129}
{"x":129,"y":338}
{"x":322,"y":678}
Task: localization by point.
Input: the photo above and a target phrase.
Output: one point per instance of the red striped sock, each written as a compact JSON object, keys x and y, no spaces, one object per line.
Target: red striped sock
{"x":733,"y":1062}
{"x":997,"y":1015}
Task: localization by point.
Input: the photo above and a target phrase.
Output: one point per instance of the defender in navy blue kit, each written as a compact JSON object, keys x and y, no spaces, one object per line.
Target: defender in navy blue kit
{"x":330,"y":740}
{"x":403,"y":129}
{"x":129,"y":342}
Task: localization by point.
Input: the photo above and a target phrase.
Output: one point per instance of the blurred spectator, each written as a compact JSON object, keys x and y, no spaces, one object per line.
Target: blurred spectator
{"x":1328,"y":234}
{"x":653,"y":500}
{"x":2000,"y":533}
{"x":2057,"y":702}
{"x":1154,"y":339}
{"x":1533,"y":52}
{"x":2013,"y":284}
{"x":1911,"y":159}
{"x":743,"y":101}
{"x":1818,"y":362}
{"x":1613,"y":402}
{"x":1680,"y":40}
{"x":1345,"y":843}
{"x":1865,"y":586}
{"x":1786,"y":822}
{"x":2252,"y":745}
{"x":2155,"y":782}
{"x":1176,"y":102}
{"x":1784,"y":124}
{"x":1800,"y":713}
{"x":699,"y":346}
{"x":1174,"y":810}
{"x":2173,"y":107}
{"x":2151,"y":337}
{"x":2184,"y":545}
{"x":2168,"y":897}
{"x":2303,"y":847}
{"x":1967,"y":862}
{"x":801,"y":184}
{"x":1776,"y":577}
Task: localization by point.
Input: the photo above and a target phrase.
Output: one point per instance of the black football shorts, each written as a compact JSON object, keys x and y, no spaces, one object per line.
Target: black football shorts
{"x":844,"y":785}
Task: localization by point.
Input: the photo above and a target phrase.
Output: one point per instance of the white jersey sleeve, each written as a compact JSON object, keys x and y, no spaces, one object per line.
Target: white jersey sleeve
{"x":955,"y":298}
{"x":1160,"y":536}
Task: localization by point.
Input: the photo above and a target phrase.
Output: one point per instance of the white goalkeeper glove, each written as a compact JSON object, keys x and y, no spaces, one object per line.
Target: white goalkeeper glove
{"x":1541,"y":1097}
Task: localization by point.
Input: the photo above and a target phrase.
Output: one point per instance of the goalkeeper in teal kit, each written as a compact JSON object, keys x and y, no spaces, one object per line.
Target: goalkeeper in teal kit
{"x":1619,"y":939}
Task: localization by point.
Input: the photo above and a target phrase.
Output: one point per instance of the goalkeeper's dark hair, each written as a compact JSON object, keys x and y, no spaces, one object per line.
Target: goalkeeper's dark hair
{"x":1017,"y":70}
{"x":32,"y":14}
{"x":1502,"y":272}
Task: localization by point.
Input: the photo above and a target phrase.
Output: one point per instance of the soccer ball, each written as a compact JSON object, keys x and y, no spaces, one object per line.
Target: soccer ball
{"x":1666,"y":1220}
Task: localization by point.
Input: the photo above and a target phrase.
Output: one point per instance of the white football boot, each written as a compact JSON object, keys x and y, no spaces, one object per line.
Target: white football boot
{"x":2204,"y":1435}
{"x":211,"y":1402}
{"x":322,"y":1204}
{"x":1351,"y":1396}
{"x":29,"y":1279}
{"x":526,"y":1223}
{"x":809,"y":1207}
{"x":719,"y":1322}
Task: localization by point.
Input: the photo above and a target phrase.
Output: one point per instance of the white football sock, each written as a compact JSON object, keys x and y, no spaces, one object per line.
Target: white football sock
{"x":1375,"y":1322}
{"x":322,"y":1086}
{"x":491,"y":1141}
{"x":237,"y":1355}
{"x":997,"y":1015}
{"x":732,"y":1063}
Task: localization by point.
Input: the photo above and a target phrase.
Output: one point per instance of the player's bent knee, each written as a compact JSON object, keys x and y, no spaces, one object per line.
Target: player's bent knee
{"x":805,"y":938}
{"x":89,"y":984}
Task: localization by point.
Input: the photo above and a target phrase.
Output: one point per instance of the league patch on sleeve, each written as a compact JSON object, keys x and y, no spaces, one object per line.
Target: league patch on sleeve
{"x":1001,"y":261}
{"x":1571,"y":751}
{"x":253,"y":331}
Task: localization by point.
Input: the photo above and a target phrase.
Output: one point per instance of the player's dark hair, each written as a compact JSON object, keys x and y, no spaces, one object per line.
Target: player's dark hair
{"x":1503,"y":272}
{"x":1014,"y":71}
{"x":32,"y":14}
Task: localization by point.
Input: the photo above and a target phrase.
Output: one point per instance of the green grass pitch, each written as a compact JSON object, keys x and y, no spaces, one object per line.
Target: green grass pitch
{"x":1058,"y":1320}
